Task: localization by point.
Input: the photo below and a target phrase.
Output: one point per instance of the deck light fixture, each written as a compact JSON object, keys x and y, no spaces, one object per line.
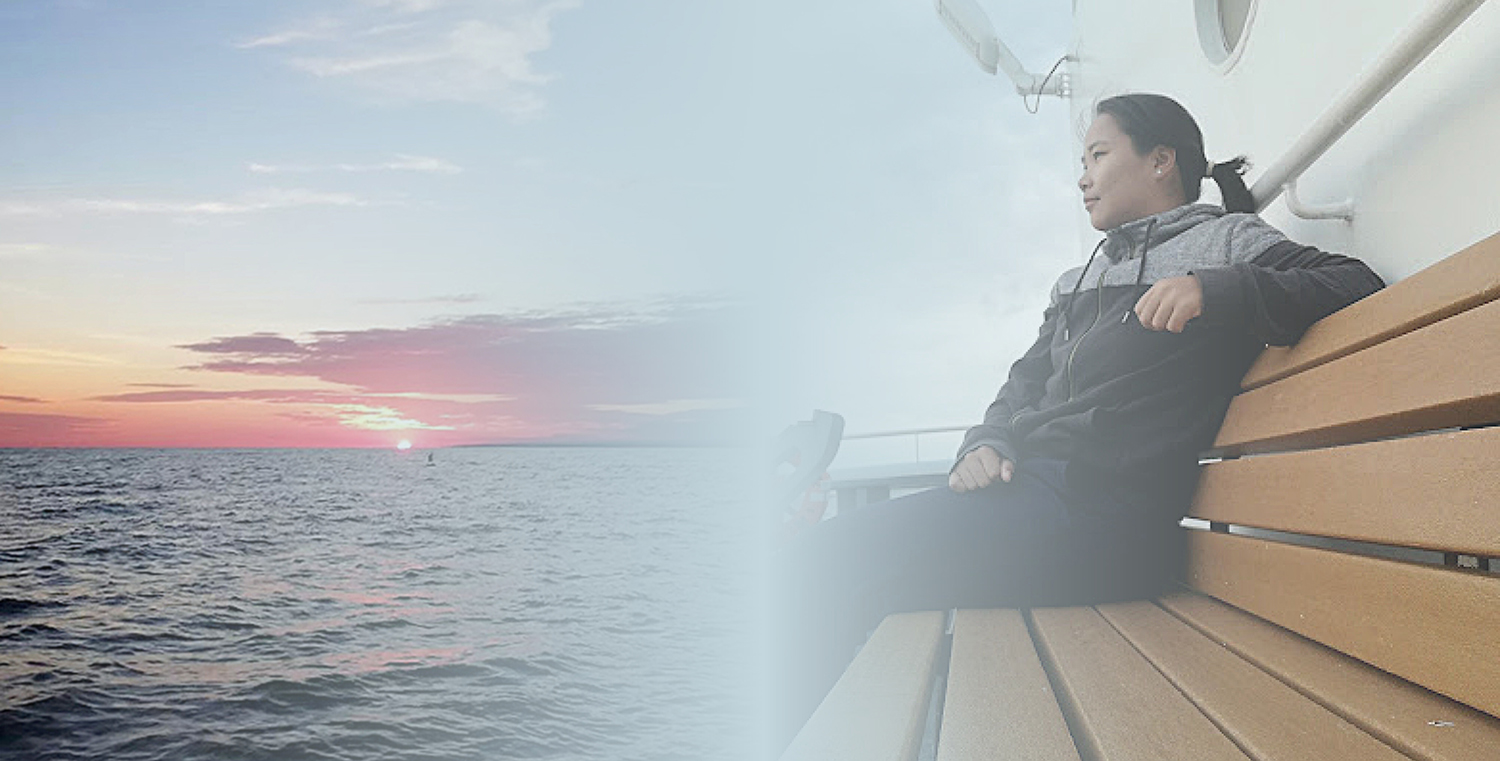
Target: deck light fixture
{"x":972,"y":28}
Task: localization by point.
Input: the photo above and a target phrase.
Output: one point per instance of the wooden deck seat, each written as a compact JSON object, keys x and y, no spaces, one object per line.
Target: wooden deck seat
{"x":1338,"y":600}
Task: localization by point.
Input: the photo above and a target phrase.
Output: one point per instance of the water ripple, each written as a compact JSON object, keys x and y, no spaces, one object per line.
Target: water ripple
{"x":509,"y":603}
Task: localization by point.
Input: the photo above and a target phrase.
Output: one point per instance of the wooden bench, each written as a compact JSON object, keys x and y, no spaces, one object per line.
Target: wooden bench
{"x":1337,"y":599}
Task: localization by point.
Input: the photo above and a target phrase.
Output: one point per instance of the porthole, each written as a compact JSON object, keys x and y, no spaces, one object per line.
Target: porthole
{"x":1223,"y":26}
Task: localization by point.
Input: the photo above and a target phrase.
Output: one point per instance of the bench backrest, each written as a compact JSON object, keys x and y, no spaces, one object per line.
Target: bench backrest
{"x":1365,"y":462}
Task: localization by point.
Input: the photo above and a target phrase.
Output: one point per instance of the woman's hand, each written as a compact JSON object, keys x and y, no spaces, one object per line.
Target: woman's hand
{"x":979,"y":469}
{"x":1170,"y":303}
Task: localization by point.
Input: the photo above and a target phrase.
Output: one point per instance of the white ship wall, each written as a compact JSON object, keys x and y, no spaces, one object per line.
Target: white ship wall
{"x":1422,"y":167}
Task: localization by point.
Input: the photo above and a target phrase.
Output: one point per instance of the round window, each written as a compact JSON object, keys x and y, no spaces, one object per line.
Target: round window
{"x":1222,"y":28}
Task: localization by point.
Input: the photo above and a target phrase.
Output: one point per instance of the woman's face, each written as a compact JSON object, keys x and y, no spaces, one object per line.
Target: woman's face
{"x":1120,"y":185}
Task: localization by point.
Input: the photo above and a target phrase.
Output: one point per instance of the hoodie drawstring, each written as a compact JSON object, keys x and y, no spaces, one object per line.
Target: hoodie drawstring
{"x":1140,"y":273}
{"x":1076,"y":286}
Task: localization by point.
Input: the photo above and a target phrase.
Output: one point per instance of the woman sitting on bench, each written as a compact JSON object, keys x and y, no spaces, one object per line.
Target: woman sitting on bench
{"x":1070,"y":491}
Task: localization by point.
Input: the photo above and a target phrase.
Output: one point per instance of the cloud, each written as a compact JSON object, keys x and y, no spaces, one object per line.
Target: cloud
{"x":160,"y":385}
{"x":56,"y":357}
{"x":414,"y":51}
{"x":407,"y":6}
{"x":317,"y":29}
{"x":671,"y":407}
{"x":372,"y":418}
{"x":262,"y":344}
{"x":348,"y":409}
{"x":457,"y":298}
{"x":270,"y":199}
{"x":23,"y":399}
{"x":285,"y":396}
{"x":465,"y":398}
{"x":614,"y":350}
{"x":668,"y":370}
{"x":363,"y":417}
{"x":400,"y":163}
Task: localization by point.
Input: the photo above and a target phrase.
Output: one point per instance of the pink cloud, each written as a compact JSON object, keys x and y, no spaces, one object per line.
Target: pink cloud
{"x":583,"y":375}
{"x":333,"y":409}
{"x":600,"y":356}
{"x":22,"y":399}
{"x":193,"y":395}
{"x":255,"y":343}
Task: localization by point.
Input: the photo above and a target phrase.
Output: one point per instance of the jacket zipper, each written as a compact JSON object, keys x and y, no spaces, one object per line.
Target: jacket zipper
{"x":1099,"y":291}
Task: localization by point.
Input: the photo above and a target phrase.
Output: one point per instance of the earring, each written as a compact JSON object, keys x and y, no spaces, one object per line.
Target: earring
{"x":1158,"y":171}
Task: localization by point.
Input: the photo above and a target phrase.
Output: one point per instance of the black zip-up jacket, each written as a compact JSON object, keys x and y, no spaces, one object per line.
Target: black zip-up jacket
{"x":1130,"y":408}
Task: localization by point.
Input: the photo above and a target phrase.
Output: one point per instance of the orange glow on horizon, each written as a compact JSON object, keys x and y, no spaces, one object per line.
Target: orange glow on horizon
{"x":236,"y":424}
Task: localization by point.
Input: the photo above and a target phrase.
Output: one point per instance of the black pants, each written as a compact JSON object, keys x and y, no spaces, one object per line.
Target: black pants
{"x":1036,"y":541}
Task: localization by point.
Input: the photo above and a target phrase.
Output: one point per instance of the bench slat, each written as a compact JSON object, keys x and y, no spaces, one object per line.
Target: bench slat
{"x":877,"y":709}
{"x":1405,"y":385}
{"x":1394,"y":710}
{"x":1423,"y":623}
{"x":1121,"y":708}
{"x":1435,"y":492}
{"x":1267,"y":719}
{"x":999,"y":704}
{"x":1460,"y":282}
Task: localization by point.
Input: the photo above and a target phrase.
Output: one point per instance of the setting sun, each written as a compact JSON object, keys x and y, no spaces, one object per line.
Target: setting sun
{"x":404,"y":444}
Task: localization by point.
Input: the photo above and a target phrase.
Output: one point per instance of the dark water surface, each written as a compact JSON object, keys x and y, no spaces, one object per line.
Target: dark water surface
{"x":343,"y":604}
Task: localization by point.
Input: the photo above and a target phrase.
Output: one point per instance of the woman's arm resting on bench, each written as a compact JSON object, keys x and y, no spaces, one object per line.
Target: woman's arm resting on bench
{"x":1279,"y":294}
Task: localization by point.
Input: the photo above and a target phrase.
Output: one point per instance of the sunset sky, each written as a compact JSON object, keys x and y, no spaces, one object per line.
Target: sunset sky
{"x":352,"y":222}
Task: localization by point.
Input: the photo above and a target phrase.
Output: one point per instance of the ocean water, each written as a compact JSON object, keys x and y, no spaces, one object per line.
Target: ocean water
{"x":526,"y":603}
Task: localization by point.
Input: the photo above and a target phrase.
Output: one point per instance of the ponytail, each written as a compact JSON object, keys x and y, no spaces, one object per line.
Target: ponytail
{"x":1152,"y":120}
{"x":1228,"y":176}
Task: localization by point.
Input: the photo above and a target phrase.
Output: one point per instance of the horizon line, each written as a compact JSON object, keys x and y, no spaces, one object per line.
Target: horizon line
{"x":534,"y":444}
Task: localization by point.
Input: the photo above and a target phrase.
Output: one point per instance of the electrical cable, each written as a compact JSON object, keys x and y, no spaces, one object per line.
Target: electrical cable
{"x":1032,"y":109}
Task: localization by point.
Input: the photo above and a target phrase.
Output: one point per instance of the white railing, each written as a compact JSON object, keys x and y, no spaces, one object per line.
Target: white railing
{"x":857,"y":486}
{"x":1420,"y":39}
{"x":915,"y":433}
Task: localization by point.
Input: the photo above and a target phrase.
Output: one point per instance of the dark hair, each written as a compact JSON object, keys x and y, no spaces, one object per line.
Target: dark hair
{"x":1156,"y":120}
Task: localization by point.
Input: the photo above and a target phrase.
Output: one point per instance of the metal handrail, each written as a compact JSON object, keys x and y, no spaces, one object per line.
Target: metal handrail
{"x":915,"y":433}
{"x":908,"y":432}
{"x":1420,"y":39}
